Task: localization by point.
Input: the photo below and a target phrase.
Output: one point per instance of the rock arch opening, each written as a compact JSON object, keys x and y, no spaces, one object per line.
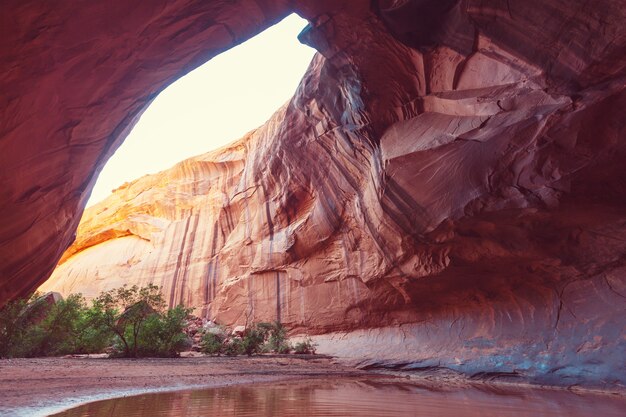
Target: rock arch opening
{"x":119,"y":238}
{"x":457,"y":204}
{"x":217,"y":103}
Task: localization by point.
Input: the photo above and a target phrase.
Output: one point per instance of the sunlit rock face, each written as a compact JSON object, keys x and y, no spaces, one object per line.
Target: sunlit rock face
{"x":74,"y":79}
{"x":445,"y":189}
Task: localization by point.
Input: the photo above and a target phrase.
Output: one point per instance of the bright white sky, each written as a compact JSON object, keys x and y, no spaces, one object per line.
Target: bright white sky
{"x":211,"y":106}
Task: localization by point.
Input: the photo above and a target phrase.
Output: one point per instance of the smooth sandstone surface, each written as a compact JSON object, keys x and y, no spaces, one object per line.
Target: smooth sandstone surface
{"x":445,"y":190}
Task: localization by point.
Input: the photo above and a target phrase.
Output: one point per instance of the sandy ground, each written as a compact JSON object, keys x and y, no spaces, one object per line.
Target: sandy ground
{"x":43,"y":386}
{"x":33,"y":387}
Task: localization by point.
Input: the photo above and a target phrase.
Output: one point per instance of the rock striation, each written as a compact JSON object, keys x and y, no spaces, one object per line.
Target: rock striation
{"x":74,"y":81}
{"x":445,"y":189}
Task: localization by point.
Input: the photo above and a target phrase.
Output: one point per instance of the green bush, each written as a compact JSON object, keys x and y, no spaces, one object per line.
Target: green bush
{"x":124,"y":311}
{"x":35,"y":327}
{"x":91,"y":337}
{"x":305,"y":347}
{"x":132,"y":319}
{"x":212,"y":343}
{"x":12,"y":328}
{"x":233,"y":347}
{"x":60,"y":328}
{"x":253,"y":340}
{"x":162,"y":334}
{"x":277,"y":341}
{"x":257,"y":338}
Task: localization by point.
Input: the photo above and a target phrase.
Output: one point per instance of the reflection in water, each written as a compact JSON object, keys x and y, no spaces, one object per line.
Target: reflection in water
{"x":354,"y":398}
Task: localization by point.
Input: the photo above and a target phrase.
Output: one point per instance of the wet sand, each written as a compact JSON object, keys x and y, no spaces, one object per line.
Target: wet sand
{"x":40,"y":386}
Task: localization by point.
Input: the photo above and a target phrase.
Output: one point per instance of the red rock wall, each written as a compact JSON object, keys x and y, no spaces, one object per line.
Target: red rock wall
{"x":74,"y":78}
{"x":446,"y":189}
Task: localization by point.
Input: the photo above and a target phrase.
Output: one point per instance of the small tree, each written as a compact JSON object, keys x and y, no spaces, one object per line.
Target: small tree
{"x":305,"y":347}
{"x":124,"y":310}
{"x":162,"y":334}
{"x":45,"y":326}
{"x":92,"y":336}
{"x":60,"y":326}
{"x":233,"y":347}
{"x":21,"y":332}
{"x":252,"y":340}
{"x":277,"y":341}
{"x":12,"y":327}
{"x":213,"y":343}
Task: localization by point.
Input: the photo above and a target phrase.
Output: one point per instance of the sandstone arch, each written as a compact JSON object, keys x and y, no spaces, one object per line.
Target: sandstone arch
{"x":472,"y":197}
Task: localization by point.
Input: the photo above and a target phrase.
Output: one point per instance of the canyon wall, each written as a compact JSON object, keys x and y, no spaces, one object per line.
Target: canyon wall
{"x":74,"y":79}
{"x":445,"y":190}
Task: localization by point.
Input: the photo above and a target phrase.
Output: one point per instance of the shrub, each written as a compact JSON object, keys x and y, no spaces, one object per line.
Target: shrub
{"x":162,"y":334}
{"x":91,"y":336}
{"x":30,"y":343}
{"x":39,"y":326}
{"x":260,"y":337}
{"x":132,"y":319}
{"x":212,"y":343}
{"x":252,"y":341}
{"x":60,"y":327}
{"x":305,"y":347}
{"x":233,"y":347}
{"x":123,"y":311}
{"x":12,"y":327}
{"x":277,"y":341}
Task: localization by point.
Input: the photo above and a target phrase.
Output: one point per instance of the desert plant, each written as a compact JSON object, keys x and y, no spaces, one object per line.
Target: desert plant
{"x":233,"y":347}
{"x":162,"y":334}
{"x":124,"y":311}
{"x":22,"y":333}
{"x":213,"y":343}
{"x":60,"y":327}
{"x":256,"y":338}
{"x":12,"y":327}
{"x":132,"y":317}
{"x":92,"y":337}
{"x":30,"y":343}
{"x":252,"y":340}
{"x":277,"y":340}
{"x":305,"y":347}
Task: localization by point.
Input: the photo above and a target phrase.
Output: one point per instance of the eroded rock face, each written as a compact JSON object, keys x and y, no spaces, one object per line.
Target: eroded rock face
{"x":74,"y":81}
{"x":448,"y":197}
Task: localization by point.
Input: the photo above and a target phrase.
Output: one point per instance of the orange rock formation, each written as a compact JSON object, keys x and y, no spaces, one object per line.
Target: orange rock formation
{"x":445,"y":189}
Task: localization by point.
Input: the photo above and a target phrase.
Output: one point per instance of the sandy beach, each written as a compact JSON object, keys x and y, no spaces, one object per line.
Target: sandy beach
{"x":32,"y":387}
